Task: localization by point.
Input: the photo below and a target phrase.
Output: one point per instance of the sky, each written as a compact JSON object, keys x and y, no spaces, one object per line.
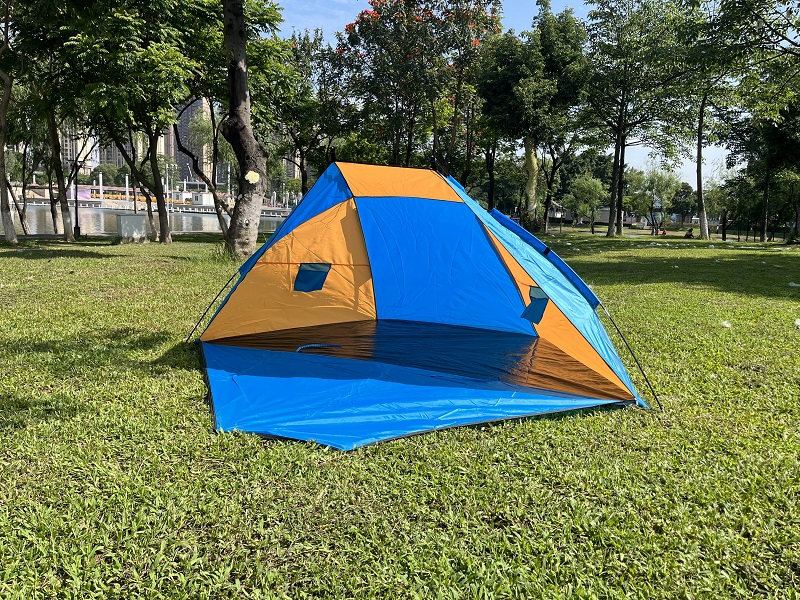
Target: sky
{"x":332,"y":15}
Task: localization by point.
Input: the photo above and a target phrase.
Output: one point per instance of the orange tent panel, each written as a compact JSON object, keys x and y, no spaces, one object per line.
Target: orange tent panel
{"x":557,"y":329}
{"x":376,"y":181}
{"x":266,"y":300}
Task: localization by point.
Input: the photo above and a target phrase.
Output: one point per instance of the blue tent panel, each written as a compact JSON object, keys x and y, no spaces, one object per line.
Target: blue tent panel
{"x":346,"y":403}
{"x":561,"y":291}
{"x":431,"y":262}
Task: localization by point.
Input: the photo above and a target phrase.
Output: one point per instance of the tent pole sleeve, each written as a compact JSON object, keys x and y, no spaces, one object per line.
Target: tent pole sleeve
{"x":200,"y":320}
{"x":636,"y":360}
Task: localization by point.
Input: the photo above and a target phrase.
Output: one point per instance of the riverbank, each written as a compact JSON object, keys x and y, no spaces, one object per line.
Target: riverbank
{"x":103,"y":221}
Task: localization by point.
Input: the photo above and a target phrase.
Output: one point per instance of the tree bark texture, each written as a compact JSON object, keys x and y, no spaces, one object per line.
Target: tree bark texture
{"x":165,"y":233}
{"x":765,"y":209}
{"x":238,"y":130}
{"x":55,"y":155}
{"x":23,"y":218}
{"x":620,"y":184}
{"x":532,"y":168}
{"x":490,"y":154}
{"x":701,"y":205}
{"x":612,"y":206}
{"x":5,"y":206}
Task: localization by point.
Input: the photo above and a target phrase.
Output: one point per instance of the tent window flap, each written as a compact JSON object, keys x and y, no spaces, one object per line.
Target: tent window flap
{"x":311,"y":276}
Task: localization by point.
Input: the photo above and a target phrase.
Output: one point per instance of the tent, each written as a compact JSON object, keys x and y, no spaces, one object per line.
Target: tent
{"x":389,"y":303}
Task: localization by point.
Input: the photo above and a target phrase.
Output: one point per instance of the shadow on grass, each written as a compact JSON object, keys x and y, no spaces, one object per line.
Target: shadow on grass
{"x":764,"y":275}
{"x":183,"y":355}
{"x":17,"y":411}
{"x":112,"y":348}
{"x":112,"y":353}
{"x":49,"y":253}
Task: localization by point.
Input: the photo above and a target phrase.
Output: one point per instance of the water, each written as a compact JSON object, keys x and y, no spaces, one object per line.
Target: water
{"x":95,"y":221}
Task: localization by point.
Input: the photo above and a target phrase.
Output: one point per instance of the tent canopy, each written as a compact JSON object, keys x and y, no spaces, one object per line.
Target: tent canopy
{"x":390,"y":303}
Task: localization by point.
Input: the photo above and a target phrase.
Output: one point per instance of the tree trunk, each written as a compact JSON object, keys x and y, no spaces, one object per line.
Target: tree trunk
{"x":612,"y":206}
{"x":301,"y":155}
{"x":621,"y":184}
{"x":701,"y":204}
{"x":53,"y":210}
{"x":797,"y":220}
{"x":410,"y":138}
{"x":238,"y":130}
{"x":532,"y":168}
{"x":724,"y":225}
{"x":435,"y":133}
{"x":55,"y":155}
{"x":23,"y":217}
{"x":5,"y":207}
{"x":164,"y":235}
{"x":490,"y":154}
{"x":765,"y":209}
{"x":148,"y":201}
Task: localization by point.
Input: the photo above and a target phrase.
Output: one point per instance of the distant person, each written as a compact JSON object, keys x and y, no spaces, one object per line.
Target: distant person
{"x":663,"y":232}
{"x":689,"y":233}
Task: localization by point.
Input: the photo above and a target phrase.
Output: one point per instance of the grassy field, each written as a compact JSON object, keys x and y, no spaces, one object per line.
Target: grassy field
{"x":115,"y":485}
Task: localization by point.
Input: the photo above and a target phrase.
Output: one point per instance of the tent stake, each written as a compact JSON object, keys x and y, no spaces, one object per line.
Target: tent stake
{"x":636,"y":360}
{"x":224,"y":287}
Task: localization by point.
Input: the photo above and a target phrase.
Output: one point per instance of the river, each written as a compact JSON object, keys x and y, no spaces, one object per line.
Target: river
{"x":103,"y":221}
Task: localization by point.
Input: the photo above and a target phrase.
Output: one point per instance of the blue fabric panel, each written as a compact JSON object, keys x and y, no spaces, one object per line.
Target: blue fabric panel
{"x":347,"y":403}
{"x":311,"y":277}
{"x":432,"y":262}
{"x":561,"y":291}
{"x":554,"y":258}
{"x":535,"y":310}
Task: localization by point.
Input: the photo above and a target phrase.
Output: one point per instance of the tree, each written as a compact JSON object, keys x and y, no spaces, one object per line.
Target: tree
{"x":5,"y":99}
{"x":585,"y":194}
{"x":512,"y":76}
{"x":466,"y":25}
{"x":237,"y":128}
{"x":768,"y":147}
{"x":650,"y":193}
{"x":310,"y":112}
{"x":392,"y":54}
{"x":562,"y":39}
{"x":207,"y":133}
{"x":634,"y":88}
{"x":684,"y":203}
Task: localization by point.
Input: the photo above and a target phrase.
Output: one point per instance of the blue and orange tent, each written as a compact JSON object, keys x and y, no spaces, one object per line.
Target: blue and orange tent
{"x":390,"y":303}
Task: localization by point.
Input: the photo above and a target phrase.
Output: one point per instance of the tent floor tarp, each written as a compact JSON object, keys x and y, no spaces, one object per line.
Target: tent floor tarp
{"x":345,"y":403}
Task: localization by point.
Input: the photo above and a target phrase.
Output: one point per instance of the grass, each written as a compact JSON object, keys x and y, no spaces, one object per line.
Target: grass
{"x":114,"y":484}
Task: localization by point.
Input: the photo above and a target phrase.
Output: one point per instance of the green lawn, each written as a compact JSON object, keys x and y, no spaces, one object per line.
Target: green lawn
{"x":115,"y":485}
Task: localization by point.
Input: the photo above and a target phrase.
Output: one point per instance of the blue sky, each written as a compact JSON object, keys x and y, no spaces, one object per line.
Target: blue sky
{"x":333,"y":15}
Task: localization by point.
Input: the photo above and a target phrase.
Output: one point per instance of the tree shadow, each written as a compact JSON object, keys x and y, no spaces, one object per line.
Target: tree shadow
{"x":183,"y":355}
{"x":17,"y":411}
{"x":49,"y":253}
{"x":113,"y":352}
{"x":762,"y":275}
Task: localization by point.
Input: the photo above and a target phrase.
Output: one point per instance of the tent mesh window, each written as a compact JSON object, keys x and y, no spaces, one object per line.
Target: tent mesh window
{"x":535,"y":310}
{"x":311,"y":276}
